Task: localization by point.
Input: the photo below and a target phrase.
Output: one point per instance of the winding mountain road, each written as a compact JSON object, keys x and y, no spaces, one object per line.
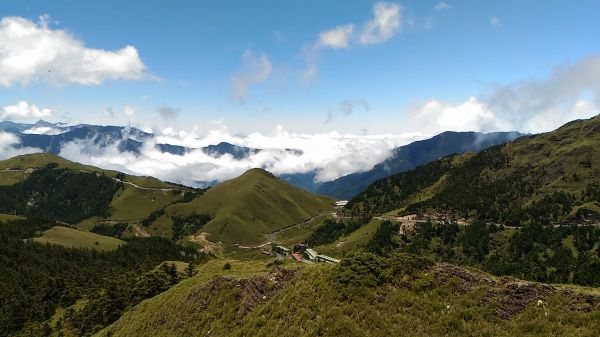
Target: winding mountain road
{"x":272,"y":237}
{"x":31,"y":169}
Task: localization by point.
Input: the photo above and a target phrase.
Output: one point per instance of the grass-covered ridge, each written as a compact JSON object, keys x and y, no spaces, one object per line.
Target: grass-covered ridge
{"x":245,"y":209}
{"x":365,"y":295}
{"x":547,"y":178}
{"x":16,"y":168}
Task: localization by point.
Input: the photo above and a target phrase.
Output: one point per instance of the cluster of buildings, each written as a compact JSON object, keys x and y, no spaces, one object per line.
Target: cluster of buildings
{"x":302,"y":254}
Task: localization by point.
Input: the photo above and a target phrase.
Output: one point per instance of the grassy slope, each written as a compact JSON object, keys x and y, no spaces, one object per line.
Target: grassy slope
{"x":9,"y":217}
{"x":553,"y":159}
{"x":10,"y":178}
{"x":351,"y":243}
{"x":74,"y":238}
{"x":245,"y":208}
{"x":133,"y":203}
{"x":310,"y":305}
{"x":38,"y":160}
{"x":561,"y":152}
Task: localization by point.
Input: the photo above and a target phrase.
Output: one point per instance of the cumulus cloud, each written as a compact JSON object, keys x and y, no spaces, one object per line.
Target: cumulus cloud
{"x":32,"y":51}
{"x":440,"y":6}
{"x":336,"y":38}
{"x":472,"y":115}
{"x":255,"y":69}
{"x":24,"y":110}
{"x":9,"y":146}
{"x":570,"y":92}
{"x":385,"y":24}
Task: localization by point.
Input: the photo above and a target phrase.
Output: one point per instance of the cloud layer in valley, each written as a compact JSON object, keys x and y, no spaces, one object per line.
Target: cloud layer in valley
{"x":329,"y":155}
{"x":9,"y":146}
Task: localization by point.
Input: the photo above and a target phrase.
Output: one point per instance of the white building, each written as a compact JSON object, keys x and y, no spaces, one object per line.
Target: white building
{"x":311,"y":254}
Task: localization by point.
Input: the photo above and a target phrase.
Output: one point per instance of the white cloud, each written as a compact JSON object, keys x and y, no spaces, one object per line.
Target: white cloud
{"x":254,"y":70}
{"x":23,"y":110}
{"x":44,"y":130}
{"x":495,"y":22}
{"x":570,"y":92}
{"x":336,"y":38}
{"x":440,"y":6}
{"x":331,"y":154}
{"x":385,"y":24}
{"x":436,"y":116}
{"x":129,"y":111}
{"x":32,"y":52}
{"x":9,"y":146}
{"x":433,"y":117}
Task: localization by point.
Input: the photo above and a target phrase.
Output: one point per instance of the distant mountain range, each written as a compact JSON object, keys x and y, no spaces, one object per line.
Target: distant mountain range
{"x":51,"y":137}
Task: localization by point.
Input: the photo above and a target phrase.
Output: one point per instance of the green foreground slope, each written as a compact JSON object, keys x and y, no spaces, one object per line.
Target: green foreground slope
{"x":246,"y":208}
{"x":550,"y":177}
{"x":364,"y":296}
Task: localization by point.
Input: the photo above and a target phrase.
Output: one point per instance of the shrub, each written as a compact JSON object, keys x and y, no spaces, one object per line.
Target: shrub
{"x":362,"y":270}
{"x":408,"y":264}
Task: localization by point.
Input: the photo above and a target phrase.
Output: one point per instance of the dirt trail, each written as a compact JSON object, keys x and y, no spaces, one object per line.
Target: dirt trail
{"x":207,"y":246}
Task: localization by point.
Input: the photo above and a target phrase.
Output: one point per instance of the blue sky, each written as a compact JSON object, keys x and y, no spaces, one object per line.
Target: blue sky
{"x":441,"y":52}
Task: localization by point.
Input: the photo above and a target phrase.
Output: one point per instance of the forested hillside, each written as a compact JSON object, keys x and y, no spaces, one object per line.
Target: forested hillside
{"x":547,"y":178}
{"x":39,"y":279}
